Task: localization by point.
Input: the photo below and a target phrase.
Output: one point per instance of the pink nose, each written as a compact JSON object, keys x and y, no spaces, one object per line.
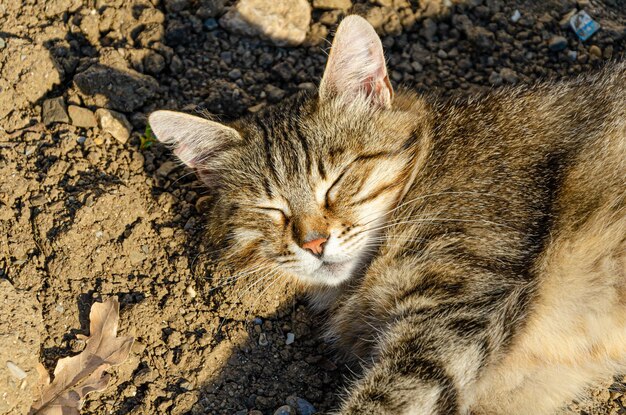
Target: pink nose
{"x":316,"y":246}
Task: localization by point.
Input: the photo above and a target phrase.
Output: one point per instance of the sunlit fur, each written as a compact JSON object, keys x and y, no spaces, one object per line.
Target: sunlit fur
{"x":476,"y":260}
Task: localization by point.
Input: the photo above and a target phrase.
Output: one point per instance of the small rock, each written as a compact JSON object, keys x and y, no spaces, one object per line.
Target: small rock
{"x":82,"y":117}
{"x":303,"y":407}
{"x":234,"y":74}
{"x":16,"y":371}
{"x":191,"y":292}
{"x":256,"y":108}
{"x":285,"y":410}
{"x":317,"y":35}
{"x":595,"y":50}
{"x":283,"y":22}
{"x":481,"y":37}
{"x":154,"y":63}
{"x":186,"y":385}
{"x":393,"y":26}
{"x":557,"y":43}
{"x":495,"y":79}
{"x":166,"y":168}
{"x":175,"y":6}
{"x":177,"y":64}
{"x":332,"y":4}
{"x":330,"y":18}
{"x":290,"y":338}
{"x":274,"y":94}
{"x":210,"y":24}
{"x":114,"y":123}
{"x":263,"y":340}
{"x":284,"y":70}
{"x":564,"y":22}
{"x":3,"y":43}
{"x":572,"y":55}
{"x":516,"y":16}
{"x":202,"y":203}
{"x":176,"y":32}
{"x":53,"y":110}
{"x":210,"y":8}
{"x":429,"y":29}
{"x":375,"y":17}
{"x":509,"y":75}
{"x":308,"y":86}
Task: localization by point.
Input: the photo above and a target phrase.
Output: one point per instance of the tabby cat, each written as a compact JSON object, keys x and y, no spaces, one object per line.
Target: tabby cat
{"x":471,"y":253}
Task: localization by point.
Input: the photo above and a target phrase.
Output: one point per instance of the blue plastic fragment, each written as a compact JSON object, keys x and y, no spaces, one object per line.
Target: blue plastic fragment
{"x":583,"y":25}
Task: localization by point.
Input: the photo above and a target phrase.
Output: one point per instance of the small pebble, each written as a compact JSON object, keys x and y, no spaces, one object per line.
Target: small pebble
{"x":3,"y":43}
{"x":516,"y":16}
{"x":263,"y":340}
{"x":257,"y":320}
{"x":166,"y":168}
{"x":16,"y":371}
{"x":210,"y":24}
{"x":186,"y":385}
{"x":290,"y":338}
{"x":285,"y":410}
{"x":191,"y":291}
{"x":557,"y":43}
{"x":81,"y":139}
{"x":303,"y":407}
{"x":595,"y":50}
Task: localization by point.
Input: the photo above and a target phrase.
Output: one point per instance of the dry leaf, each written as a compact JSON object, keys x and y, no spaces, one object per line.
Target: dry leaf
{"x":76,"y":376}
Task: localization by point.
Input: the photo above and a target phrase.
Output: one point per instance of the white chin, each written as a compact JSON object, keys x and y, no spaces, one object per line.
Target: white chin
{"x":331,"y":274}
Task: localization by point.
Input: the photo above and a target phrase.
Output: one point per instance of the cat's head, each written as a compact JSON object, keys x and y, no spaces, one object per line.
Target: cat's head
{"x":303,"y":187}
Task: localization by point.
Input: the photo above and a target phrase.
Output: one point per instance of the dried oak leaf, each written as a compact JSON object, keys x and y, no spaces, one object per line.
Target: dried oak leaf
{"x":76,"y":376}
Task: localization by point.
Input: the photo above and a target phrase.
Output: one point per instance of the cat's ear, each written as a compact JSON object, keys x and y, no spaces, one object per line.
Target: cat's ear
{"x":196,"y":141}
{"x":356,"y":65}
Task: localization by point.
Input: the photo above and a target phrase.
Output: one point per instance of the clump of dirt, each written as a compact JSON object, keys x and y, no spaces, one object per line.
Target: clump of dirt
{"x":91,"y":209}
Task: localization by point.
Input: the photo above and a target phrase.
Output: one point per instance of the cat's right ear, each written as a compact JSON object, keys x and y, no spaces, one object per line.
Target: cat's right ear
{"x":196,"y":141}
{"x":356,"y":65}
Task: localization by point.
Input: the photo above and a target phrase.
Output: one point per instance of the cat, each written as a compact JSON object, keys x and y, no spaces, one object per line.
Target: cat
{"x":471,"y":253}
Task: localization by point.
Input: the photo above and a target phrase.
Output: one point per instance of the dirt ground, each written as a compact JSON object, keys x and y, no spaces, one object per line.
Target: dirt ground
{"x":87,"y":213}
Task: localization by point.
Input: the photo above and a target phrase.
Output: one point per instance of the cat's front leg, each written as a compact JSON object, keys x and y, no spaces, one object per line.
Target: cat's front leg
{"x":384,"y":391}
{"x":430,"y":359}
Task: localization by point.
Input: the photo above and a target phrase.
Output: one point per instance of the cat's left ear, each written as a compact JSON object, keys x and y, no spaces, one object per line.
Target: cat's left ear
{"x":356,"y":65}
{"x":196,"y":141}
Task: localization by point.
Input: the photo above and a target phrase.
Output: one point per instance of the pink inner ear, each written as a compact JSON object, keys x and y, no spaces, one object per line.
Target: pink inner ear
{"x":378,"y":89}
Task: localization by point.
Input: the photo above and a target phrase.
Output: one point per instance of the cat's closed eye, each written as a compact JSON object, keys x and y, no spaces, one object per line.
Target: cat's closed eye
{"x":275,"y":213}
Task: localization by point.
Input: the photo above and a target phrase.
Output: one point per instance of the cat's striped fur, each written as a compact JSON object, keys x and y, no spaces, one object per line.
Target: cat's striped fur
{"x":476,"y":250}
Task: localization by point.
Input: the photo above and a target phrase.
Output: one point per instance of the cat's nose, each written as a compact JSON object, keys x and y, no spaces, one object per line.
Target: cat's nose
{"x":315,"y":245}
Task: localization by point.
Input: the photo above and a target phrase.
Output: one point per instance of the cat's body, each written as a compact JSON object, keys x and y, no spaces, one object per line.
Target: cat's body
{"x":518,"y":217}
{"x":471,"y":254}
